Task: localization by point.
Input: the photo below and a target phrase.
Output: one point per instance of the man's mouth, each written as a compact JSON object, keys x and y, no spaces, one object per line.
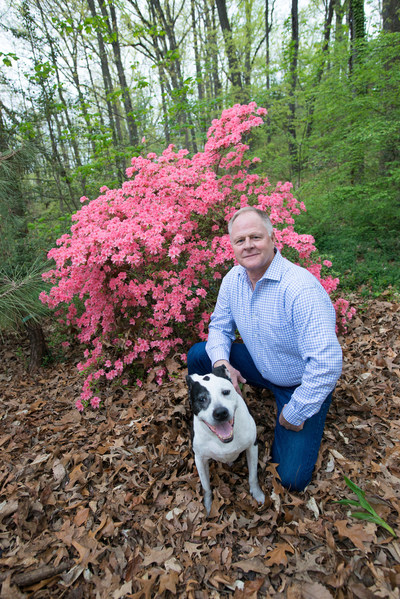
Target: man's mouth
{"x":224,"y":431}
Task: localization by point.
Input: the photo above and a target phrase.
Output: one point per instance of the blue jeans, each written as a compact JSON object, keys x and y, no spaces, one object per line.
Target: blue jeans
{"x":295,"y":452}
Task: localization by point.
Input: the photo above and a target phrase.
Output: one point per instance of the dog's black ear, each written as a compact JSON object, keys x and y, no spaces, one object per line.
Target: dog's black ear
{"x":189,"y":381}
{"x":222,"y":372}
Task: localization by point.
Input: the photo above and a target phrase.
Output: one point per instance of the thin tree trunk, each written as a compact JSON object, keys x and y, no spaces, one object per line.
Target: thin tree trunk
{"x":268,"y":29}
{"x":73,"y":142}
{"x":199,"y":75}
{"x":247,"y":44}
{"x":391,"y":16}
{"x":115,"y":124}
{"x":234,"y":74}
{"x":38,"y":346}
{"x":114,"y":36}
{"x":321,"y":66}
{"x":357,"y":30}
{"x":212,"y":51}
{"x":294,"y":51}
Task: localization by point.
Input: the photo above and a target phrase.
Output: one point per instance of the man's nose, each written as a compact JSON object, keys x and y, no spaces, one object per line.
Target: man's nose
{"x":248,"y":242}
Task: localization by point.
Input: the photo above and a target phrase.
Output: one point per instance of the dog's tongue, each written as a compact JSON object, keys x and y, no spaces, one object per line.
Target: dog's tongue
{"x":224,"y":430}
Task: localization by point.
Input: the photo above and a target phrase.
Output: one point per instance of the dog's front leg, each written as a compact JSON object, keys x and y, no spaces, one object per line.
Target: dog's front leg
{"x":202,"y":465}
{"x":252,"y":464}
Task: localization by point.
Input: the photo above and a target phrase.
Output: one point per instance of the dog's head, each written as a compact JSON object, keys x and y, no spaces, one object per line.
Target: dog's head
{"x":214,"y":400}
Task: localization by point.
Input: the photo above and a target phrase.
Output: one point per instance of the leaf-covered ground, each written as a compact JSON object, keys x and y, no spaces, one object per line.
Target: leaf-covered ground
{"x":108,"y":504}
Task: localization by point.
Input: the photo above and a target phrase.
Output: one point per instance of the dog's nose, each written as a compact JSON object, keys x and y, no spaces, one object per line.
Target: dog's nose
{"x":221,"y":414}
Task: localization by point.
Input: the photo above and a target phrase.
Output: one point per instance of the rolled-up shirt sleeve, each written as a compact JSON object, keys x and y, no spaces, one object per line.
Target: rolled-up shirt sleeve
{"x":313,"y":317}
{"x":222,"y":327}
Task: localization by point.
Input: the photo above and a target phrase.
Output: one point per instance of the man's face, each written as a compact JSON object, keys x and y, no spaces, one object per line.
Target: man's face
{"x":253,"y":247}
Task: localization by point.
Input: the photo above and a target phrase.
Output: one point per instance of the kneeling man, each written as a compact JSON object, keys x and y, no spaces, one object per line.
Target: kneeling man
{"x":287,"y":323}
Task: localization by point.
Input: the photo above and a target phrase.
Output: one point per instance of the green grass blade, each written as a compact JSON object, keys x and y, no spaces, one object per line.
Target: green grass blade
{"x":348,"y":502}
{"x":361,"y":496}
{"x":359,"y":492}
{"x":375,"y":519}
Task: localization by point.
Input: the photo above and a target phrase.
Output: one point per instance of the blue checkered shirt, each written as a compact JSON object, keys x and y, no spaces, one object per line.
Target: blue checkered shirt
{"x":288,"y":325}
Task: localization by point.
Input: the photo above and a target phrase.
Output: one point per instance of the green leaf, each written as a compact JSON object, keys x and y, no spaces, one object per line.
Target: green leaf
{"x":361,"y":496}
{"x":348,"y":502}
{"x":357,"y":490}
{"x":375,"y":519}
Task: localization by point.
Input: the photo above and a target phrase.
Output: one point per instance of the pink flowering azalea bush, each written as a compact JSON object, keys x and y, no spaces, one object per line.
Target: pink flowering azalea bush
{"x":138,"y":274}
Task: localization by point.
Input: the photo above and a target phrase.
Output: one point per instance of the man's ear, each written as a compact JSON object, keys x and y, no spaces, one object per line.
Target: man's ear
{"x":222,"y":372}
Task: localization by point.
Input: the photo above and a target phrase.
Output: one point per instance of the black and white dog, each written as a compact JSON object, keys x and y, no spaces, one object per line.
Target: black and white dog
{"x":222,"y":428}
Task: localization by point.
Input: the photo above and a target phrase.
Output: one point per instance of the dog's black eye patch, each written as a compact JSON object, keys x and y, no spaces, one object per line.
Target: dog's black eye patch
{"x":199,"y":397}
{"x":206,"y":378}
{"x":226,"y":391}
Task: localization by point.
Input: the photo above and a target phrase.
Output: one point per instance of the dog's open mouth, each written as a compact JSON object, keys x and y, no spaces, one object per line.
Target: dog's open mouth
{"x":224,"y":431}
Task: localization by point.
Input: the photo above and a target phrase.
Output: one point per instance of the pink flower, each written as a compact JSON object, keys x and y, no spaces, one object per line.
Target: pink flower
{"x":79,"y":405}
{"x":95,"y":402}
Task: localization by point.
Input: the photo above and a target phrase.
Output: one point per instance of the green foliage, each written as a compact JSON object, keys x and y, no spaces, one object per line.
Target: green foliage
{"x":19,"y":296}
{"x":347,"y":138}
{"x":369,"y":514}
{"x":350,"y":182}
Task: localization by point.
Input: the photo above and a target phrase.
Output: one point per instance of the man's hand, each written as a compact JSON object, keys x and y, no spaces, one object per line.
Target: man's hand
{"x":235,"y":375}
{"x":290,"y":427}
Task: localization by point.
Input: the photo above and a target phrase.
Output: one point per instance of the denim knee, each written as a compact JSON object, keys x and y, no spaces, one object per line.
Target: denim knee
{"x":294,"y":481}
{"x":198,"y":361}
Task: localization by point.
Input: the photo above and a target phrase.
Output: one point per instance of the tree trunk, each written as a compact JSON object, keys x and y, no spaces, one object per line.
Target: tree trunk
{"x":115,"y":124}
{"x":212,"y":51}
{"x":234,"y":74}
{"x":114,"y":36}
{"x":391,"y":16}
{"x":321,"y":66}
{"x":357,"y":30}
{"x":357,"y":37}
{"x":268,"y":29}
{"x":247,"y":44}
{"x":294,"y":51}
{"x":38,"y":346}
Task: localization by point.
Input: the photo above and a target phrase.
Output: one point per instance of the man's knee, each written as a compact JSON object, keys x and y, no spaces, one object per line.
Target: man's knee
{"x":198,"y":361}
{"x":294,"y":480}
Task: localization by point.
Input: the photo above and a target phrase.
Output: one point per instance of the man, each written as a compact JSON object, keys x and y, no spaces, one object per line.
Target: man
{"x":287,"y":323}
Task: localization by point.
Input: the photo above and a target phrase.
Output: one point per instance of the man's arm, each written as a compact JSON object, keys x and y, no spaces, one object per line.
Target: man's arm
{"x":314,"y":320}
{"x":221,"y":334}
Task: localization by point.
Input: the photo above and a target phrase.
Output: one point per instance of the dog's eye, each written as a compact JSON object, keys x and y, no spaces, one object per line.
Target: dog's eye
{"x":226,"y":392}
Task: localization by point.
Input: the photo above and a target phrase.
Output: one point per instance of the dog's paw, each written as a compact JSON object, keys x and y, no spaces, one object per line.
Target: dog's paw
{"x":208,"y":502}
{"x":257,"y":494}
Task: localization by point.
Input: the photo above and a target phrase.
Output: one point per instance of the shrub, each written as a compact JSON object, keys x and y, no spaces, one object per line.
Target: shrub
{"x":139,"y":273}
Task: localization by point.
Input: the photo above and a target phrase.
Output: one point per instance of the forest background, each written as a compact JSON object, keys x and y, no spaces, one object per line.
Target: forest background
{"x":86,"y":85}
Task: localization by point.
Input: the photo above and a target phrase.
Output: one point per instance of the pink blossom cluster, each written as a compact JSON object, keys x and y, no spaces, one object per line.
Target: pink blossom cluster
{"x":137,"y":276}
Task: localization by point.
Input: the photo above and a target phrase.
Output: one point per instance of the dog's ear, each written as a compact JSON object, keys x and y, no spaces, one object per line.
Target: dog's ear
{"x":189,"y":381}
{"x":222,"y":372}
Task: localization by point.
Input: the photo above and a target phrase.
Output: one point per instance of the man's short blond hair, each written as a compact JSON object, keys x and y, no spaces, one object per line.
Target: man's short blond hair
{"x":263,"y":216}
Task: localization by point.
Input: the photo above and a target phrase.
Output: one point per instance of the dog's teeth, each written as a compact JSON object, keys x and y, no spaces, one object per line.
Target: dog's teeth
{"x":223,"y":431}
